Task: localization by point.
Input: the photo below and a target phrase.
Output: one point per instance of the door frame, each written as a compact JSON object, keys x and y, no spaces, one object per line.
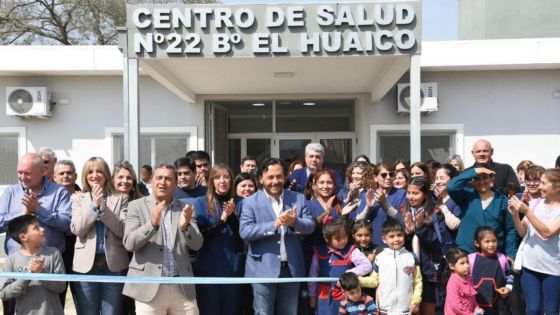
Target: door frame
{"x":275,"y":137}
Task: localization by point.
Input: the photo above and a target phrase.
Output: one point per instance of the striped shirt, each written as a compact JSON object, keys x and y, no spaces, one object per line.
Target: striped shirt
{"x":364,"y":306}
{"x":169,"y":265}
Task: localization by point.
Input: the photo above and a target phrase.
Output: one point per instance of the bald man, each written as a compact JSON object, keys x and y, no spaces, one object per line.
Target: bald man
{"x":482,"y":152}
{"x":35,"y":194}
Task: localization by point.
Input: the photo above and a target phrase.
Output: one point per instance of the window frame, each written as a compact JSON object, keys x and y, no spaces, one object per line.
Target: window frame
{"x":437,"y":129}
{"x":190,"y":133}
{"x":21,"y":134}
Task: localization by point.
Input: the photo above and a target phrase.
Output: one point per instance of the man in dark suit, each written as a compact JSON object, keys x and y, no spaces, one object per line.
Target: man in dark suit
{"x":160,"y":230}
{"x":482,"y":152}
{"x":272,"y":222}
{"x":314,"y":158}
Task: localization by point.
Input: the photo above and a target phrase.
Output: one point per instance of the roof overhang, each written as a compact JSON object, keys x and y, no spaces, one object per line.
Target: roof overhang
{"x":341,"y":74}
{"x":279,"y":75}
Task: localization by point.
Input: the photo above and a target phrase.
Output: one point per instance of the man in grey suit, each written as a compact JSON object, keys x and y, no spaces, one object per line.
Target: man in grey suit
{"x":272,"y":221}
{"x":160,"y":231}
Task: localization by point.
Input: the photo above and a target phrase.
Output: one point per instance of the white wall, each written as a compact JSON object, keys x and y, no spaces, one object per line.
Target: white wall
{"x":77,"y":131}
{"x":515,"y":110}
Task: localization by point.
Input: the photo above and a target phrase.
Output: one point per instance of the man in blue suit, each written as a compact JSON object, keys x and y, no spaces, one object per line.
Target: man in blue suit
{"x":272,"y":222}
{"x":314,"y":157}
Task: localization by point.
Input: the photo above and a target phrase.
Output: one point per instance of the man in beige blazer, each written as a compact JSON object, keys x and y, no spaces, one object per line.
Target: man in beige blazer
{"x":160,"y":231}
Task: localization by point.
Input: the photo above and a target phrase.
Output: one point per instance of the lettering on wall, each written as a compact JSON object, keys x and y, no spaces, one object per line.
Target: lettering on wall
{"x":371,"y":28}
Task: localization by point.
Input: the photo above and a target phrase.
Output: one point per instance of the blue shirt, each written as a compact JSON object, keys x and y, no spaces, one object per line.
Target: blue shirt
{"x":377,"y":215}
{"x":54,"y":213}
{"x":99,"y":229}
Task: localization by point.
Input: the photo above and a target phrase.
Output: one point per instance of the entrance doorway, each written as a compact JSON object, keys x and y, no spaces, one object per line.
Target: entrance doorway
{"x":282,"y":129}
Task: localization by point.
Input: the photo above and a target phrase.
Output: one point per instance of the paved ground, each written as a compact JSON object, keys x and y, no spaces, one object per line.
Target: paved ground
{"x":68,"y":309}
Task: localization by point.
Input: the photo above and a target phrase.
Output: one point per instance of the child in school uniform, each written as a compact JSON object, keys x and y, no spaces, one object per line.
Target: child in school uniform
{"x":423,"y":223}
{"x":355,"y":302}
{"x":339,"y":256}
{"x":33,"y":296}
{"x":490,"y":272}
{"x":362,"y":233}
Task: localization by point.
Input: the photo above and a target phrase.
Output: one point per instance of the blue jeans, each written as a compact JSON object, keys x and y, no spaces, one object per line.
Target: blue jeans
{"x":542,"y":292}
{"x":96,"y":298}
{"x":283,"y":295}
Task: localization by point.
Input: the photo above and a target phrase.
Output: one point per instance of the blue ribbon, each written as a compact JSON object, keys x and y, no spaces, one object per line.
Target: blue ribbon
{"x":167,"y":280}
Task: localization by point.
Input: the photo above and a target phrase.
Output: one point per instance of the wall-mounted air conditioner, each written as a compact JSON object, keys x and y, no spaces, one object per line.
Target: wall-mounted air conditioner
{"x":428,"y":97}
{"x":28,"y":102}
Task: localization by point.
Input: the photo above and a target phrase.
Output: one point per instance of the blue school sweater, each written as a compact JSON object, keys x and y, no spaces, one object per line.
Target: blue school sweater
{"x":495,"y":215}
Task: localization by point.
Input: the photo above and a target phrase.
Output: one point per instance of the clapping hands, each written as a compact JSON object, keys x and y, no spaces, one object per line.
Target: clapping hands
{"x":287,"y":218}
{"x":186,"y":215}
{"x":30,"y":203}
{"x":36,"y":265}
{"x":516,"y":206}
{"x":227,"y":209}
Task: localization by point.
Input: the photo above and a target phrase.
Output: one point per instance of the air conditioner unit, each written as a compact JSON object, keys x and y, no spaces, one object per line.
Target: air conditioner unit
{"x":428,"y":97}
{"x":28,"y":102}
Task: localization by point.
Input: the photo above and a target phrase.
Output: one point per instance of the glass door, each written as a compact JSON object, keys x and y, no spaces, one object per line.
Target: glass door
{"x":259,"y":148}
{"x":290,"y":150}
{"x":338,"y":153}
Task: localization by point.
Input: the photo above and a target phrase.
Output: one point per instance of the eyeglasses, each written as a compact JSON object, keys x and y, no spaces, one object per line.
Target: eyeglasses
{"x":48,"y":161}
{"x":384,"y":175}
{"x":533,"y":182}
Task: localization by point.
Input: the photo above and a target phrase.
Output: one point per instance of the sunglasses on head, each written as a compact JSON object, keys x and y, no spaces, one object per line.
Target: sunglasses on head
{"x":384,"y":175}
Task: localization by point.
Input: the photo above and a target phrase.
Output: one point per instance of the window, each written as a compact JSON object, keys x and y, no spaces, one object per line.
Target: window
{"x":438,"y":142}
{"x":157,"y":145}
{"x":286,"y":116}
{"x":12,"y":142}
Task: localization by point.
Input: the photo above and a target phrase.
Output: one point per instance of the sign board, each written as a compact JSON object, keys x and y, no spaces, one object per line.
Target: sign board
{"x":274,"y":30}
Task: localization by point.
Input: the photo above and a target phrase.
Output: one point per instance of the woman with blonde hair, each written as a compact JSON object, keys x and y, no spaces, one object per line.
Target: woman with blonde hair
{"x":222,"y":252}
{"x":98,"y":215}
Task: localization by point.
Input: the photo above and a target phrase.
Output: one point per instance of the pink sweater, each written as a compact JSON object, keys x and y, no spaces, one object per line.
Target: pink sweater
{"x":460,"y":298}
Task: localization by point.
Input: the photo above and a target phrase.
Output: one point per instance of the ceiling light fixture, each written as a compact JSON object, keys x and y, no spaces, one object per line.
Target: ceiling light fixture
{"x":309,"y":103}
{"x":283,"y":75}
{"x":259,"y":104}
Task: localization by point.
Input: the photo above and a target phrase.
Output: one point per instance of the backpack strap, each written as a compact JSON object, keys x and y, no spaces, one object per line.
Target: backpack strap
{"x":503,"y":263}
{"x":349,"y":253}
{"x":472,"y":259}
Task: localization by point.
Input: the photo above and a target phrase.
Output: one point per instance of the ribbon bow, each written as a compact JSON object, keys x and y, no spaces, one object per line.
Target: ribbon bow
{"x":327,"y":218}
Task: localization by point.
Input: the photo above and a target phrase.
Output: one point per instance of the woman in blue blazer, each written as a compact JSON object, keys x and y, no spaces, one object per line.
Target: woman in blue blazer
{"x":221,"y":252}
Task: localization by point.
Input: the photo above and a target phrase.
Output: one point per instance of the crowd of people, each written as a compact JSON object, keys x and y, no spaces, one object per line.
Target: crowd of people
{"x":426,"y":238}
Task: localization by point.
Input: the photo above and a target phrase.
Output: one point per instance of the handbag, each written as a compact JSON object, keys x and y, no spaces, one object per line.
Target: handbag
{"x":518,"y":262}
